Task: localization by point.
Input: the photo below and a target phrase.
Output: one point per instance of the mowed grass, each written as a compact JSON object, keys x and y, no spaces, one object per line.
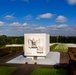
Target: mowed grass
{"x":6,"y":70}
{"x":60,"y":47}
{"x":43,"y":71}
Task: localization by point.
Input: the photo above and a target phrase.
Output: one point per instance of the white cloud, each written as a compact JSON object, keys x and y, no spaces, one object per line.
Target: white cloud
{"x":61,"y":19}
{"x":25,"y":24}
{"x":35,"y":25}
{"x":39,"y":28}
{"x":9,"y":17}
{"x":71,"y":2}
{"x":15,"y":24}
{"x":19,"y":29}
{"x":28,"y":17}
{"x":52,"y":27}
{"x":1,"y":23}
{"x":62,"y":26}
{"x":57,"y":27}
{"x":45,"y":16}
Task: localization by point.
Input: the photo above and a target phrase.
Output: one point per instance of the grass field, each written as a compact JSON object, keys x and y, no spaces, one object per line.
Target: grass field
{"x":43,"y":71}
{"x":6,"y":70}
{"x":60,"y":47}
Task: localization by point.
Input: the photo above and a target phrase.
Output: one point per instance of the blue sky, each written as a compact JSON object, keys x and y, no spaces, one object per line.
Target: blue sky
{"x":56,"y":17}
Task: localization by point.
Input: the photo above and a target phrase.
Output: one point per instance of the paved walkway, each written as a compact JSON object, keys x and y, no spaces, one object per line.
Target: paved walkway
{"x":7,"y":58}
{"x":52,"y":58}
{"x":26,"y":69}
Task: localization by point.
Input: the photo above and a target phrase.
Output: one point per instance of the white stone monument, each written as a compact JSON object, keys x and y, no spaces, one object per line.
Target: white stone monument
{"x":36,"y":45}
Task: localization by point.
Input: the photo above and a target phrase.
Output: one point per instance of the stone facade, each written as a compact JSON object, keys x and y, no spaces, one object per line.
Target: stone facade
{"x":36,"y":45}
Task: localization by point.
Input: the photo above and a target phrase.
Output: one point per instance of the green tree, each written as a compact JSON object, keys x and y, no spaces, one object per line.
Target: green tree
{"x":3,"y":39}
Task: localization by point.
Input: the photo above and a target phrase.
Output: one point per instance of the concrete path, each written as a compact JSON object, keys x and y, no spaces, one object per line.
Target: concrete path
{"x":26,"y":69}
{"x":52,"y":58}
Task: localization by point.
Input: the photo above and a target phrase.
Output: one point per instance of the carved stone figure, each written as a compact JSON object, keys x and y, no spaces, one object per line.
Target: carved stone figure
{"x":32,"y":43}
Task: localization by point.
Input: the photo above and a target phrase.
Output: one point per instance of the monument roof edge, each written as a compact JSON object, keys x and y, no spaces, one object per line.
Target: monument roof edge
{"x":36,"y":33}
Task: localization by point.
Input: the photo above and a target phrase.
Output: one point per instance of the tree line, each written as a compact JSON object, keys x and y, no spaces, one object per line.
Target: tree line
{"x":63,"y":39}
{"x":4,"y":40}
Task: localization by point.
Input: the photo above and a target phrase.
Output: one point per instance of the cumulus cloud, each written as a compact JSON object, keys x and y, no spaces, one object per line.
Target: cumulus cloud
{"x":52,"y":27}
{"x":15,"y":24}
{"x":28,"y":17}
{"x":71,"y":2}
{"x":62,"y":29}
{"x":25,"y":24}
{"x":56,"y":27}
{"x":19,"y":29}
{"x":62,"y":26}
{"x":45,"y":16}
{"x":1,"y":23}
{"x":9,"y":17}
{"x":61,"y":19}
{"x":40,"y":27}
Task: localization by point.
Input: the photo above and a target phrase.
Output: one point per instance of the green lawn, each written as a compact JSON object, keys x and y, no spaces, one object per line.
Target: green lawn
{"x":43,"y":71}
{"x":59,"y":47}
{"x":6,"y":70}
